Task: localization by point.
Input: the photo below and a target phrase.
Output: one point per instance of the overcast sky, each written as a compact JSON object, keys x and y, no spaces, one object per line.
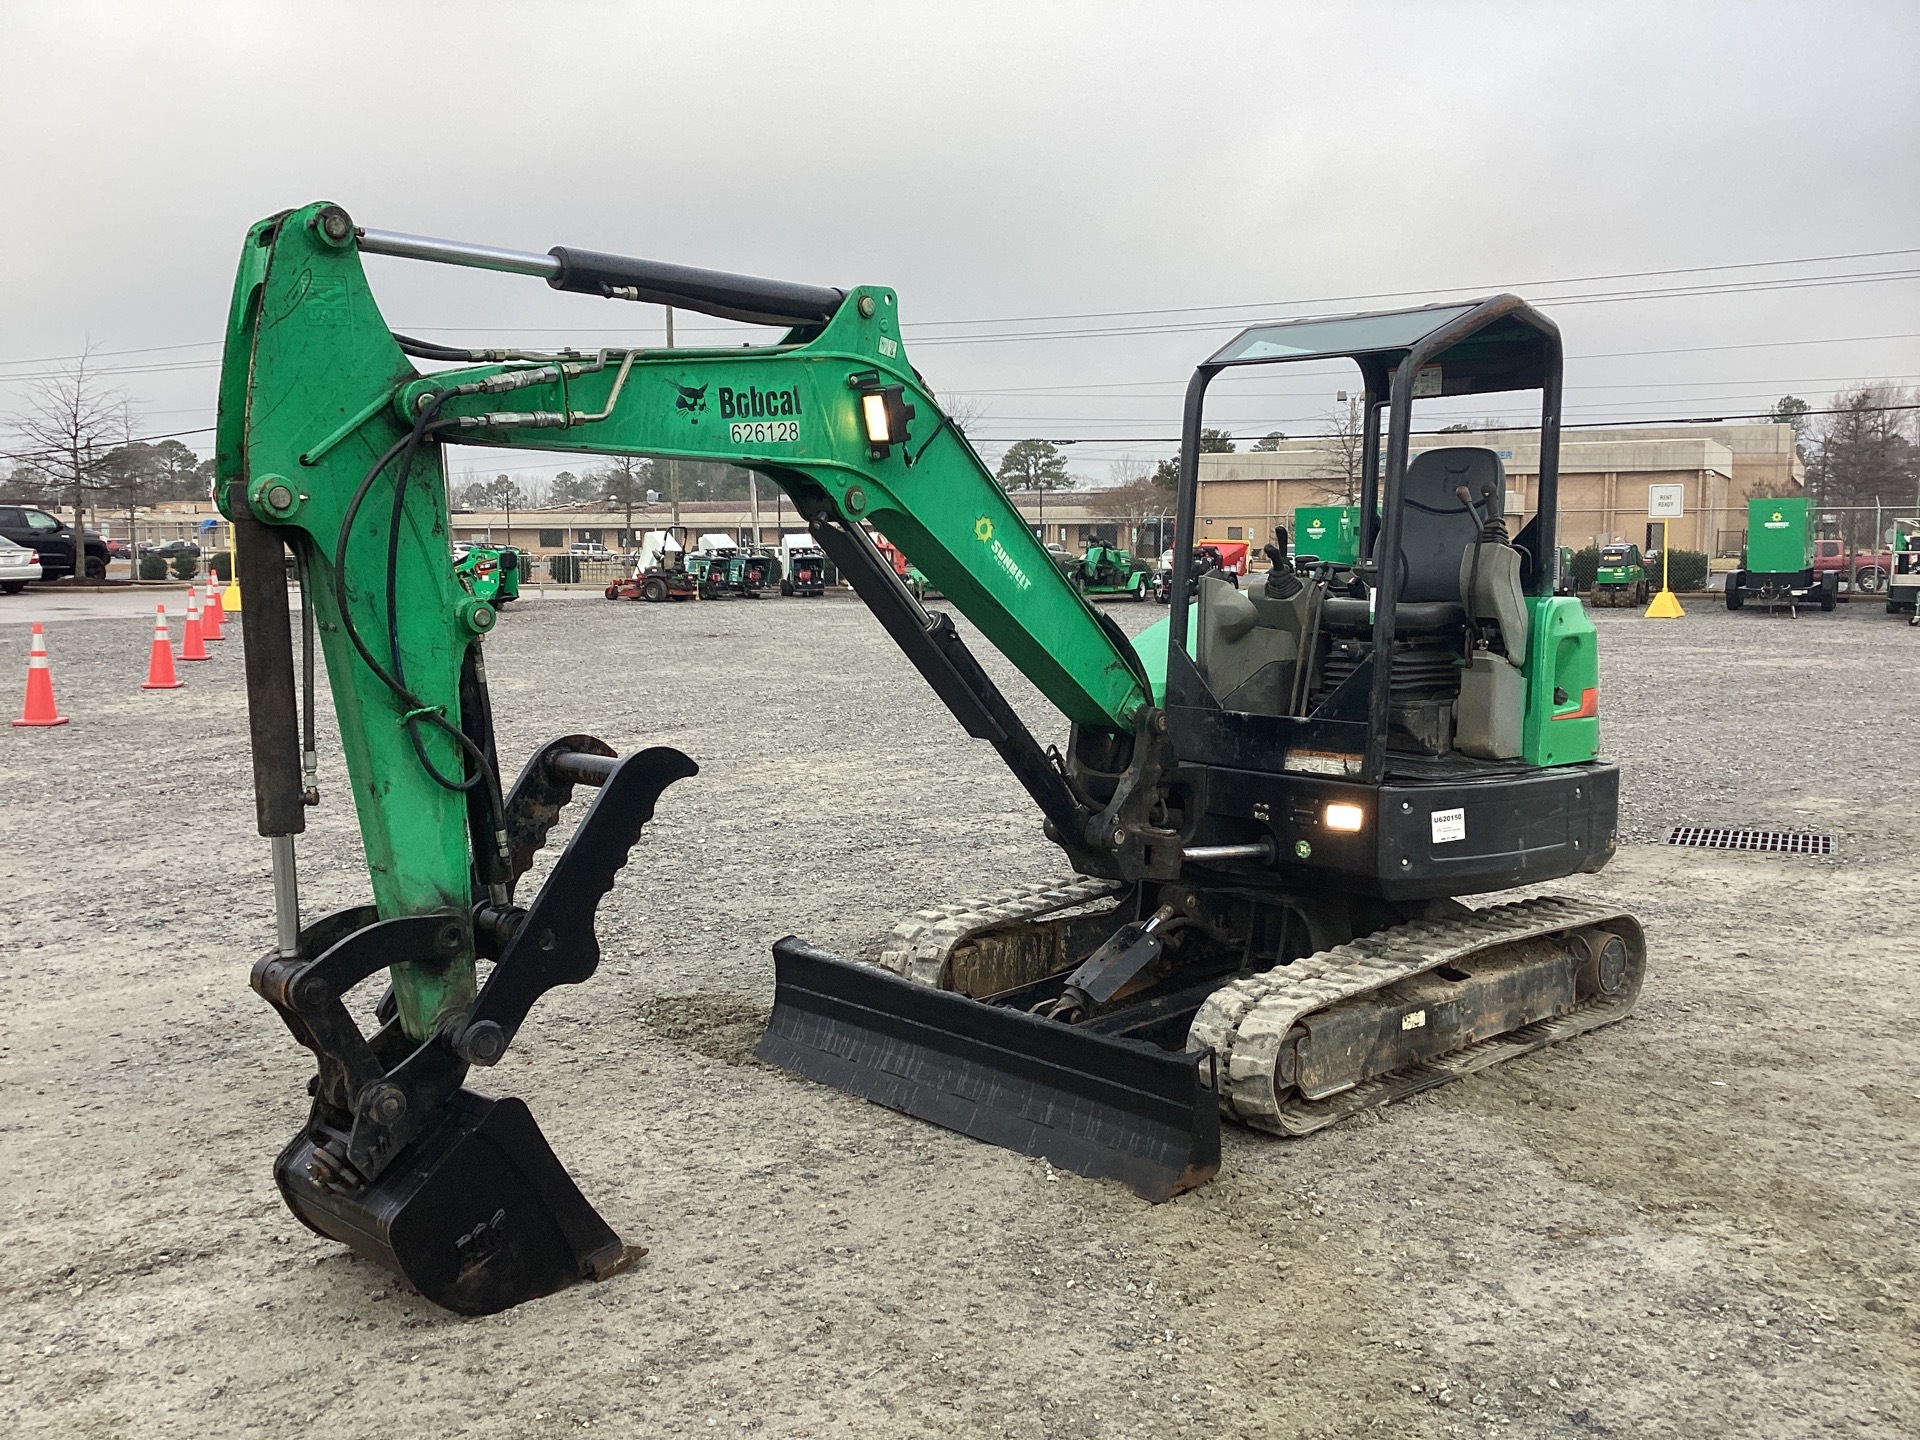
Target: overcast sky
{"x":996,"y":163}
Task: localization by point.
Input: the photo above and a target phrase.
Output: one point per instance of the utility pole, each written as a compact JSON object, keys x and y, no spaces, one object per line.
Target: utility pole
{"x":673,"y":466}
{"x":753,"y":503}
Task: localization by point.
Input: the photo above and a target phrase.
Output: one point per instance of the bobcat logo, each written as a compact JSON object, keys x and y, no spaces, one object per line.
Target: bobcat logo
{"x":693,"y":400}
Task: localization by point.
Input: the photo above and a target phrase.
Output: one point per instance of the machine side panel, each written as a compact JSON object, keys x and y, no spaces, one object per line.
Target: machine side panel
{"x":1563,"y":683}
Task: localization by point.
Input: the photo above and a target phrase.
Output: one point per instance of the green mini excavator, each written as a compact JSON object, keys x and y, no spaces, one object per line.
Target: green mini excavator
{"x":1271,"y":803}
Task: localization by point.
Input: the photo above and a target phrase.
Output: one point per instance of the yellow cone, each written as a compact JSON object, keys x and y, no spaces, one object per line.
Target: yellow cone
{"x":230,"y":597}
{"x":1665,"y":606}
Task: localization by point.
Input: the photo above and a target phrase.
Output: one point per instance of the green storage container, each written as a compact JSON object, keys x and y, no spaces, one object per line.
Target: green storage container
{"x":1779,"y":540}
{"x":1328,"y":532}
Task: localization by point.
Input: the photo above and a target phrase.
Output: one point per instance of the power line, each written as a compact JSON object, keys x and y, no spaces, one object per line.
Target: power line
{"x":1602,"y":298}
{"x":1166,"y":310}
{"x":130,"y":440}
{"x":138,"y":350}
{"x":1180,"y":382}
{"x":1454,"y":289}
{"x":1806,"y":382}
{"x":1585,"y":425}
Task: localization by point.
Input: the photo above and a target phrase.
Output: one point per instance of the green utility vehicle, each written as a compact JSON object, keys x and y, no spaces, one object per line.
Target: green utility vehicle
{"x":1903,"y":585}
{"x":1106,"y":570}
{"x":489,"y":572}
{"x":1267,"y":805}
{"x":1329,"y":533}
{"x":1620,"y":578}
{"x":1776,"y":563}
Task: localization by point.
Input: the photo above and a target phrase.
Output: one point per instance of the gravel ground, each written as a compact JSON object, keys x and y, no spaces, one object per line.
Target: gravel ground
{"x":1700,"y":1221}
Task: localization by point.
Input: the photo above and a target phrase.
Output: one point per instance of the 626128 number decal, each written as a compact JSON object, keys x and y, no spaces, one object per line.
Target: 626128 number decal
{"x":763,"y":432}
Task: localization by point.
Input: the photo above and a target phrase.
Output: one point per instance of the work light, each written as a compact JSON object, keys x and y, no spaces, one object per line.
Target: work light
{"x":1342,"y":816}
{"x":883,"y":410}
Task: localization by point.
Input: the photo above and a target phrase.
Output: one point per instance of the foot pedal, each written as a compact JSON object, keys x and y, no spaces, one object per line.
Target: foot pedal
{"x":477,"y":1214}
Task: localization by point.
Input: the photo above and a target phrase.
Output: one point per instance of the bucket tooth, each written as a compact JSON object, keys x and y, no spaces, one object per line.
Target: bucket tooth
{"x":1089,"y":1103}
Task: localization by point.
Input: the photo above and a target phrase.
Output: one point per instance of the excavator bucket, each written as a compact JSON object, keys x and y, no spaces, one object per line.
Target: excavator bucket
{"x":478,"y":1214}
{"x":1090,"y":1103}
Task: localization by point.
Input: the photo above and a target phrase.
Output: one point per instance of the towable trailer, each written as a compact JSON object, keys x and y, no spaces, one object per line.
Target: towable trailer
{"x":1776,"y":563}
{"x":1327,"y":533}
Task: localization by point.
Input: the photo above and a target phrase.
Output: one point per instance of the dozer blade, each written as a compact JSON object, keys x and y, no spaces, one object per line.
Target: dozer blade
{"x":1089,"y":1103}
{"x":477,"y":1214}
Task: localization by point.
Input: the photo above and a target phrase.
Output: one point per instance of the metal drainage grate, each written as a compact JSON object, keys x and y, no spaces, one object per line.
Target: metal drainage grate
{"x":1779,"y":842}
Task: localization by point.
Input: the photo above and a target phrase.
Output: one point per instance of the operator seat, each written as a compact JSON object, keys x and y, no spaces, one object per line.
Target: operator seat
{"x":1436,"y":530}
{"x":1493,"y":578}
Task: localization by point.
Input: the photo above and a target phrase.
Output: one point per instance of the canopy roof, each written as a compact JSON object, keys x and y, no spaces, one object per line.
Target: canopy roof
{"x":1498,"y":343}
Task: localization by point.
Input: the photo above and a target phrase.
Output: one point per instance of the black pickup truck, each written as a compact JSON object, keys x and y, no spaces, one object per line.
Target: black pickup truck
{"x":34,"y":528}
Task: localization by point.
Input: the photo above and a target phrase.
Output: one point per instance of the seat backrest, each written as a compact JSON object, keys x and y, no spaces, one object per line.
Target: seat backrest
{"x":1436,"y":529}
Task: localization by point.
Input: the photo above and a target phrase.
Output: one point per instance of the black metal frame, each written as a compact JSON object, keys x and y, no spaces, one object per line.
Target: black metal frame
{"x":1389,"y":376}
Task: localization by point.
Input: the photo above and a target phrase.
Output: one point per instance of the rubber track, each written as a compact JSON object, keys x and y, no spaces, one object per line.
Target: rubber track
{"x":919,"y":946}
{"x":1246,"y":1022}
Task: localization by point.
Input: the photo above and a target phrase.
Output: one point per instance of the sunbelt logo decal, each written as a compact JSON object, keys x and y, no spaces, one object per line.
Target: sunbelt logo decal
{"x":1778,"y":522}
{"x":1316,"y":529}
{"x":983,"y":532}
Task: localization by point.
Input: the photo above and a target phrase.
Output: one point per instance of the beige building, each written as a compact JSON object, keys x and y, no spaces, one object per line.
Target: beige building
{"x":1604,"y":478}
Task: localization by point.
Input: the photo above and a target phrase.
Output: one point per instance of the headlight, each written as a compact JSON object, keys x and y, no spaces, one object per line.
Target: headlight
{"x":1342,"y":816}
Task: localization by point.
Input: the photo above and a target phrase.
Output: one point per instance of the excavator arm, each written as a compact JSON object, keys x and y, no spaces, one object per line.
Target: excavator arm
{"x":330,"y":444}
{"x":329,"y":448}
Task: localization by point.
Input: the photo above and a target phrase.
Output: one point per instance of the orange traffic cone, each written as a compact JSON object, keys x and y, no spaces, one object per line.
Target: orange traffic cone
{"x":160,"y":674}
{"x":210,"y":614}
{"x":39,"y":707}
{"x":192,"y":646}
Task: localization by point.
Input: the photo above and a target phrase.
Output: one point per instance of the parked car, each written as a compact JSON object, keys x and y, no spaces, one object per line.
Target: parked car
{"x":590,"y":550}
{"x":119,"y":550}
{"x":18,"y":565}
{"x":167,"y":549}
{"x":34,"y":528}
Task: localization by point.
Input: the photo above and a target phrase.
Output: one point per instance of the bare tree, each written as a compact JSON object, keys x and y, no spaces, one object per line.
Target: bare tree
{"x":963,"y":411}
{"x":71,"y":422}
{"x":1132,"y":505}
{"x":1340,"y":455}
{"x":1863,"y":455}
{"x":623,"y":481}
{"x":503,"y":493}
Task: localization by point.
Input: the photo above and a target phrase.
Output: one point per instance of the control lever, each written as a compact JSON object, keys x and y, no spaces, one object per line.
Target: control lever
{"x":1473,"y":571}
{"x":1283,"y":580}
